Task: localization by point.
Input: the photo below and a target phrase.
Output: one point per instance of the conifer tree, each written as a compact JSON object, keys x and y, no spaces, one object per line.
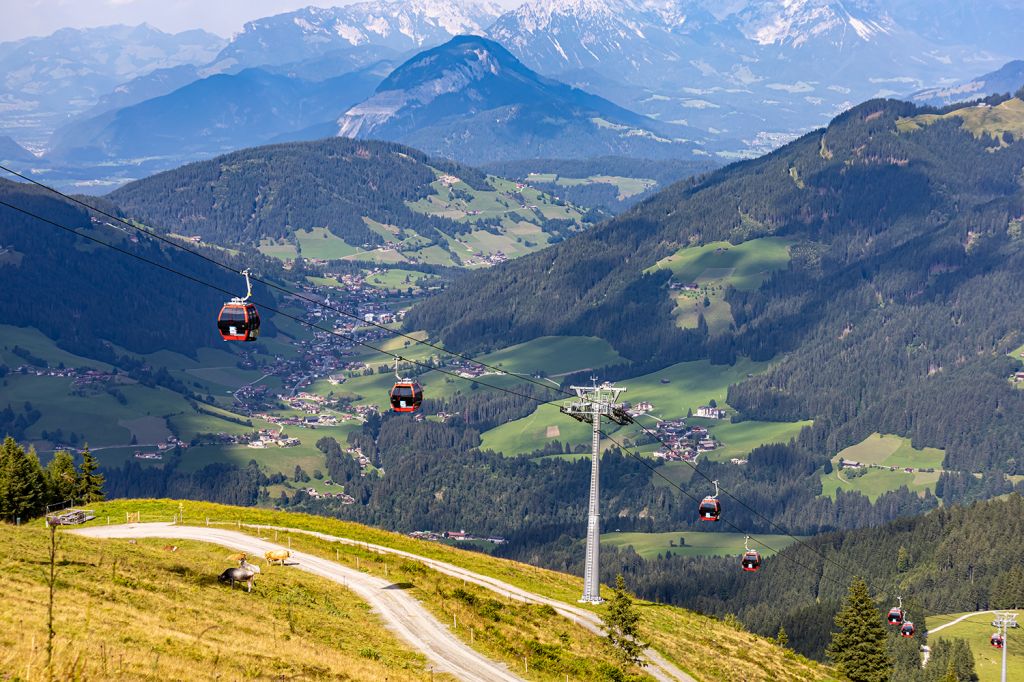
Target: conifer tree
{"x":22,"y":486}
{"x":859,"y":649}
{"x":782,"y":639}
{"x":902,"y":559}
{"x":621,"y":621}
{"x":90,"y":486}
{"x":63,"y":481}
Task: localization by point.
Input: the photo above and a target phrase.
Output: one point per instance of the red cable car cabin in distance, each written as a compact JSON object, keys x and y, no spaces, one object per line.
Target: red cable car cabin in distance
{"x":406,"y":396}
{"x":239,"y":322}
{"x":907,"y":630}
{"x":997,"y":640}
{"x":710,"y":509}
{"x":751,"y":560}
{"x":895,"y":616}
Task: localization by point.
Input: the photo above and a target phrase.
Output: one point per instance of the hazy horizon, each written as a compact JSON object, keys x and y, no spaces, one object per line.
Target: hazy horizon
{"x":32,"y":18}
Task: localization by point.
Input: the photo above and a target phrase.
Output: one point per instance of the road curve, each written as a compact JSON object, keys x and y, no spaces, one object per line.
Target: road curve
{"x":657,"y":665}
{"x":957,"y":620}
{"x":406,"y":616}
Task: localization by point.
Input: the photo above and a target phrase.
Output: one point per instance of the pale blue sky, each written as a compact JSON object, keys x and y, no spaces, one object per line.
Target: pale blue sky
{"x":23,"y":18}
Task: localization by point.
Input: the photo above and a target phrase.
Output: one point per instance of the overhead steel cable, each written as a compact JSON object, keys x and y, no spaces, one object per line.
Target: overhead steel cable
{"x":370,"y":346}
{"x":174,"y":243}
{"x":270,"y":308}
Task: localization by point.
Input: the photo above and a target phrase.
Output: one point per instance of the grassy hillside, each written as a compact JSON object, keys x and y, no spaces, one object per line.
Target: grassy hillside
{"x":650,"y":545}
{"x":886,"y":452}
{"x":703,"y":646}
{"x":988,"y":662}
{"x":137,"y":611}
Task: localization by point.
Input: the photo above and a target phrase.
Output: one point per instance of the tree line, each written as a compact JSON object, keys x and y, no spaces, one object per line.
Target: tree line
{"x":27,"y":488}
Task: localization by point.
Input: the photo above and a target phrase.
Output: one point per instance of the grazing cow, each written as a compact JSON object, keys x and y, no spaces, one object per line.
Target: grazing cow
{"x":278,"y":555}
{"x":238,"y":575}
{"x":252,"y":568}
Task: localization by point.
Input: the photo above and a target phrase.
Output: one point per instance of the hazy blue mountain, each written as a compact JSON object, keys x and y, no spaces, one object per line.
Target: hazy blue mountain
{"x":754,"y":73}
{"x":44,"y":80}
{"x":472,"y":100}
{"x":12,"y":151}
{"x":210,"y":116}
{"x":1008,"y":79}
{"x":400,"y":25}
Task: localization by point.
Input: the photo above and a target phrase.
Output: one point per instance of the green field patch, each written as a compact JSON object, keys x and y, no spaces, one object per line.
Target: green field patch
{"x":93,"y":417}
{"x":890,"y":450}
{"x":281,"y":249}
{"x":672,"y":475}
{"x":396,"y":279}
{"x":672,"y":391}
{"x":627,"y":187}
{"x":148,"y":430}
{"x":1007,"y":117}
{"x":706,"y":272}
{"x":876,"y":482}
{"x":748,"y":264}
{"x":740,"y":438}
{"x":977,"y":630}
{"x":554,"y":355}
{"x":39,"y":345}
{"x":321,"y":243}
{"x":694,"y":543}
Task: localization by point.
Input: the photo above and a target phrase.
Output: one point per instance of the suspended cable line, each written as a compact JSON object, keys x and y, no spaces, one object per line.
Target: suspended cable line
{"x":643,"y":460}
{"x":272,"y":285}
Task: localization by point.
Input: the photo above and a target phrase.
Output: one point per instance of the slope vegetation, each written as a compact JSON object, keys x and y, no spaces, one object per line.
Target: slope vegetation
{"x":702,"y":646}
{"x":892,"y":236}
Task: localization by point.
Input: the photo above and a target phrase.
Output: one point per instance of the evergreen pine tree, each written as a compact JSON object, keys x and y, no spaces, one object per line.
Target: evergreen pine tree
{"x":858,"y":649}
{"x":63,"y":481}
{"x":902,"y":560}
{"x":90,"y":486}
{"x":22,"y":486}
{"x":621,"y":621}
{"x":782,"y":639}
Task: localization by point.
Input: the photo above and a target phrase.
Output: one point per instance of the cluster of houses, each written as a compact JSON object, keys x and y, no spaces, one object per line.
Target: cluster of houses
{"x":265,"y":438}
{"x":316,"y":494}
{"x":683,"y":442}
{"x":456,"y":535}
{"x":854,"y":465}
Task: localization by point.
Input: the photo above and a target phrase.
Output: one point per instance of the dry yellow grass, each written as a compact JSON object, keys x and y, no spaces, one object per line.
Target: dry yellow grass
{"x":705,"y":647}
{"x":129,"y":611}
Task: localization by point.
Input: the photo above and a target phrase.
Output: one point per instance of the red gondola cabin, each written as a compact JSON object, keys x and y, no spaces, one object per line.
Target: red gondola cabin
{"x":239,"y":322}
{"x":751,"y":560}
{"x":908,"y":629}
{"x":895,"y":616}
{"x":710,"y":509}
{"x":997,"y":641}
{"x":406,"y":396}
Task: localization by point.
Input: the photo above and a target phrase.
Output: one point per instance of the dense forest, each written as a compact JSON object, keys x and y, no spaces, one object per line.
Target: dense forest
{"x":896,"y":313}
{"x":66,"y":286}
{"x":934,"y":561}
{"x":242,"y":197}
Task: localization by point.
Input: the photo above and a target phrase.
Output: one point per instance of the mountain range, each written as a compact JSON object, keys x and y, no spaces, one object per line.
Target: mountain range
{"x":470,"y":99}
{"x":1007,"y":79}
{"x":44,"y":81}
{"x":741,"y":78}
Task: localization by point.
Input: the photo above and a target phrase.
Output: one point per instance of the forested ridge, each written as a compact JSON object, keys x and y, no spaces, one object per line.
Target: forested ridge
{"x":85,"y":296}
{"x":272,"y":191}
{"x":951,"y":560}
{"x":896,"y":313}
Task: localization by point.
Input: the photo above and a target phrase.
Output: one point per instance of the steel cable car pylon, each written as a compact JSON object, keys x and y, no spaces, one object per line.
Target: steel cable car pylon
{"x":592,"y":403}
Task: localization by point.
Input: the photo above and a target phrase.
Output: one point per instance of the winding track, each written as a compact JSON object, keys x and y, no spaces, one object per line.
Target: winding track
{"x":403,"y":613}
{"x":406,"y":616}
{"x":657,"y":665}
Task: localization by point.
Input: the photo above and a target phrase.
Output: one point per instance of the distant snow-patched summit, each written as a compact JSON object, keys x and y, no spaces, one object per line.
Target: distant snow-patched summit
{"x":472,"y":100}
{"x":399,"y":25}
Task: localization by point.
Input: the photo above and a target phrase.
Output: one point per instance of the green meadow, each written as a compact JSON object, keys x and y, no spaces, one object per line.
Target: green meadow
{"x":977,"y":630}
{"x":695,"y":543}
